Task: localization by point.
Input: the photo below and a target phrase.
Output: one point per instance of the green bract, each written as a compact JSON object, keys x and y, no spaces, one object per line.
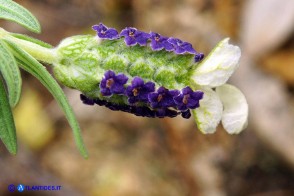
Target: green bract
{"x":82,"y":61}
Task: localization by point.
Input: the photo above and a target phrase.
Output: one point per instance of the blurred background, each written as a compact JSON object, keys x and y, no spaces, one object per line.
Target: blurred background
{"x":130,"y":155}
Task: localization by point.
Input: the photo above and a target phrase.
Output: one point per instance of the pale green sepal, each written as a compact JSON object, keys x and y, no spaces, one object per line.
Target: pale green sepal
{"x":218,"y":66}
{"x":31,"y":65}
{"x":235,"y":114}
{"x":10,"y":10}
{"x":209,"y":114}
{"x":7,"y":127}
{"x":11,"y":74}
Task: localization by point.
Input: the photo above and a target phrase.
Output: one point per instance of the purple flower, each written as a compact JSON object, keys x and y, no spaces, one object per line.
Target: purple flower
{"x":164,"y":112}
{"x":113,"y":84}
{"x":159,"y":42}
{"x":163,"y":98}
{"x":86,"y":100}
{"x":198,"y":57}
{"x":134,"y":36}
{"x":139,"y":91}
{"x":186,"y":114}
{"x":181,"y":47}
{"x":188,"y":99}
{"x":104,"y":32}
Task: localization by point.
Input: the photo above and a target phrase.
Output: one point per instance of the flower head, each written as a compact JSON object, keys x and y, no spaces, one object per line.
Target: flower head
{"x":134,"y":36}
{"x":181,"y":47}
{"x":188,"y":99}
{"x":163,"y":98}
{"x":138,"y":90}
{"x":104,"y":32}
{"x":113,"y":84}
{"x":159,"y":42}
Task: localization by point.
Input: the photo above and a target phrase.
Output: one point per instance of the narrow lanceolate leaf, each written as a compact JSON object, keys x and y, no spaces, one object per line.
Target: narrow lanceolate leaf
{"x":7,"y":127}
{"x":10,"y":10}
{"x":31,"y":65}
{"x":11,"y":74}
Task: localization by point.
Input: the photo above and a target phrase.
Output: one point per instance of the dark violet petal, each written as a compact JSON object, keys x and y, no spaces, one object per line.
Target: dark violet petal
{"x":106,"y":92}
{"x":187,"y":90}
{"x":121,"y":79}
{"x":129,"y":91}
{"x":179,"y":99}
{"x":174,"y":93}
{"x":160,"y":113}
{"x":182,"y":107}
{"x":193,"y":104}
{"x":174,"y":41}
{"x":171,"y":113}
{"x":86,"y":100}
{"x":109,"y":74}
{"x":102,"y":83}
{"x":117,"y":88}
{"x":168,"y":46}
{"x":161,"y":90}
{"x":188,"y":48}
{"x":198,"y":57}
{"x":99,"y":28}
{"x":130,"y":41}
{"x":186,"y":114}
{"x":124,"y":32}
{"x":150,"y":86}
{"x":156,"y":45}
{"x":142,"y":38}
{"x":137,"y":82}
{"x":111,"y":34}
{"x":179,"y":50}
{"x":100,"y":102}
{"x":132,"y":100}
{"x":197,"y":95}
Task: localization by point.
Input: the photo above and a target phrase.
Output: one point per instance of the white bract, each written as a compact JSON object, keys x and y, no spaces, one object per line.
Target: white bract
{"x":226,"y":103}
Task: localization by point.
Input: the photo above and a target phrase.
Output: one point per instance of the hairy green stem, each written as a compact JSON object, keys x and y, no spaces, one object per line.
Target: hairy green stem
{"x":39,"y":52}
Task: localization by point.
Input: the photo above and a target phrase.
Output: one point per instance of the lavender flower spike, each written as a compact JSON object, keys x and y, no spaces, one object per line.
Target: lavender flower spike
{"x":188,"y":99}
{"x":163,"y":98}
{"x":139,"y":91}
{"x":181,"y":47}
{"x":104,"y":32}
{"x":134,"y":36}
{"x":159,"y":42}
{"x":113,"y":84}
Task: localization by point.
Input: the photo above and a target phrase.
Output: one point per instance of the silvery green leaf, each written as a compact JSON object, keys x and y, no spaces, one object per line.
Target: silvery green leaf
{"x":11,"y":74}
{"x":10,"y":10}
{"x":7,"y":127}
